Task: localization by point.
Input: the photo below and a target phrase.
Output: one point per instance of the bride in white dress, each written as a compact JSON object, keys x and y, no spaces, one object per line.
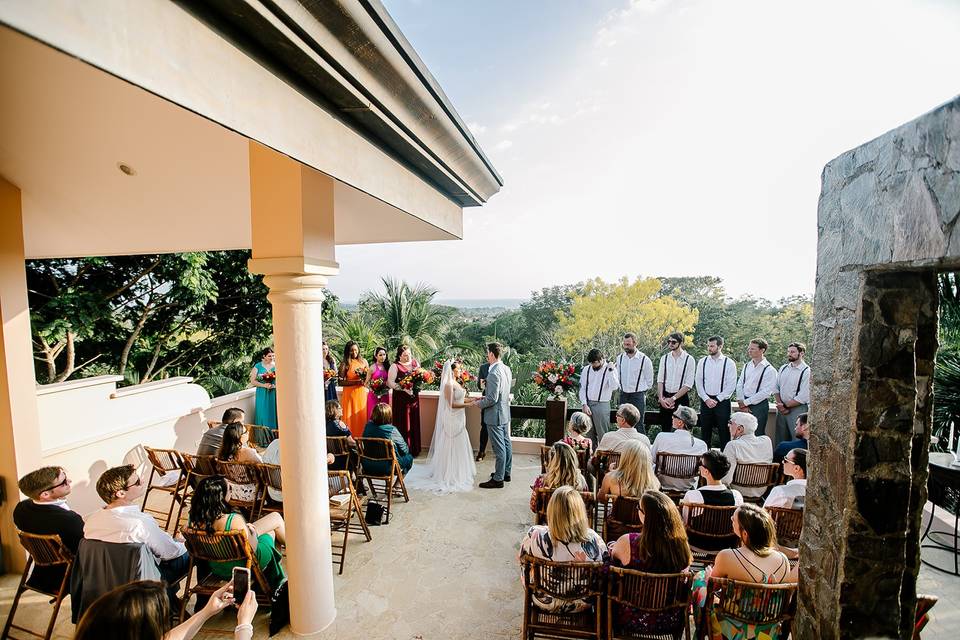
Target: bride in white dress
{"x":449,"y":467}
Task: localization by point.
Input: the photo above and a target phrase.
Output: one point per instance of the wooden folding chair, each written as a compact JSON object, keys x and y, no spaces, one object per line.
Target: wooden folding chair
{"x":348,"y":516}
{"x":339,"y":446}
{"x":261,"y":437}
{"x":749,"y":602}
{"x":44,"y":551}
{"x":583,"y":457}
{"x":544,"y":457}
{"x":270,"y":477}
{"x":382,"y":450}
{"x":667,"y":597}
{"x":222,"y":546}
{"x":754,"y":475}
{"x":709,"y":530}
{"x":605,"y":462}
{"x":196,"y":468}
{"x":548,"y":580}
{"x":162,"y":462}
{"x":789,"y":524}
{"x":678,"y":466}
{"x":543,"y":499}
{"x":623,"y":517}
{"x":242,"y":473}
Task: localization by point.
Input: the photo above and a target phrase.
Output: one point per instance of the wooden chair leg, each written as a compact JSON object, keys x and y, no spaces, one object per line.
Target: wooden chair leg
{"x":363,"y":521}
{"x":183,"y":500}
{"x":174,"y":498}
{"x":16,"y":599}
{"x":61,"y":594}
{"x":186,"y":592}
{"x":146,"y":495}
{"x":346,"y":534}
{"x":389,"y":497}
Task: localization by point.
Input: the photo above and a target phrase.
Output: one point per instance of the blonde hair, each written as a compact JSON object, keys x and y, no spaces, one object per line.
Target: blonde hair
{"x":563,"y":469}
{"x":567,"y":516}
{"x":635,"y":470}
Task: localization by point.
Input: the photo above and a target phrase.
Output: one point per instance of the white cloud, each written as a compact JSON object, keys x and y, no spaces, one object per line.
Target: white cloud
{"x":503,"y":145}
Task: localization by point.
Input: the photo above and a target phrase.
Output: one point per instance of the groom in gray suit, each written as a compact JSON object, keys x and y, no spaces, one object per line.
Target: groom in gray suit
{"x":495,"y":405}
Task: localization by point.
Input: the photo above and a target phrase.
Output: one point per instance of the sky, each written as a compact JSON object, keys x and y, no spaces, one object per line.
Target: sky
{"x":659,"y":137}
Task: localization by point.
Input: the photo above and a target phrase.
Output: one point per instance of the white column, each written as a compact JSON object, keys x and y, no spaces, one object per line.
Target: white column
{"x":296,"y":301}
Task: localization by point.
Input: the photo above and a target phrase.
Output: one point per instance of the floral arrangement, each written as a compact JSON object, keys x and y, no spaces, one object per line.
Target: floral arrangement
{"x":329,"y":374}
{"x":438,"y":368}
{"x":414,"y":380}
{"x":556,"y":378}
{"x":464,"y":377}
{"x":378,"y":386}
{"x":361,"y":372}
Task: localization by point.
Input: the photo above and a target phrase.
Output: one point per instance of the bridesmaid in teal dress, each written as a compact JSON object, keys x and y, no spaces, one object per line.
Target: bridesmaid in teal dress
{"x":263,"y":377}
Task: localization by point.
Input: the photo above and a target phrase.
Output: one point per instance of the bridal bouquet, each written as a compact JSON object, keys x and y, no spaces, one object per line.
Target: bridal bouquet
{"x":378,"y":386}
{"x":270,"y":377}
{"x":414,"y":380}
{"x":556,"y":378}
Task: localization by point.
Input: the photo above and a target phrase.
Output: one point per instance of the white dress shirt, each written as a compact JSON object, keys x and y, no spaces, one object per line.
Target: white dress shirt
{"x":748,"y":449}
{"x":598,"y":385}
{"x":635,"y":372}
{"x":679,"y":441}
{"x":693,"y":496}
{"x":129,"y":524}
{"x":793,"y":382}
{"x":616,"y":439}
{"x":757,"y":382}
{"x":272,"y":456}
{"x":716,"y":376}
{"x":785,"y":495}
{"x":676,"y":371}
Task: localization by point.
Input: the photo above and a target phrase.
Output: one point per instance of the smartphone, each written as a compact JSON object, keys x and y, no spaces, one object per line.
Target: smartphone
{"x":241,"y":584}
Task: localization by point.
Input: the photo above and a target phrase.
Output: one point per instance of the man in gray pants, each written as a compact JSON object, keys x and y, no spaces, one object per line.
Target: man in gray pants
{"x":793,"y":391}
{"x":495,"y":405}
{"x":598,"y":381}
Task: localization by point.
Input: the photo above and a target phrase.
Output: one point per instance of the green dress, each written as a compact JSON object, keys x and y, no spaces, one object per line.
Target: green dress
{"x":267,"y":557}
{"x":265,"y":408}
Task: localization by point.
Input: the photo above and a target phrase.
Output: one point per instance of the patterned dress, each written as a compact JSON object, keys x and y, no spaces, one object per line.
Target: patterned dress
{"x":539,"y":544}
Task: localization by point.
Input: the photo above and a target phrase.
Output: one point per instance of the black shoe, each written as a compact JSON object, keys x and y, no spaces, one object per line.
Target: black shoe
{"x":506,"y":477}
{"x":492,"y":484}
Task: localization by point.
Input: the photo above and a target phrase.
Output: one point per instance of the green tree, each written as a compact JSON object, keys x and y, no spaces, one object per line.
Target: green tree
{"x":408,"y":316}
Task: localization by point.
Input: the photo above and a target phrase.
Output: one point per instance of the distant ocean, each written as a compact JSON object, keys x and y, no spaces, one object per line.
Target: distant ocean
{"x":466,"y":303}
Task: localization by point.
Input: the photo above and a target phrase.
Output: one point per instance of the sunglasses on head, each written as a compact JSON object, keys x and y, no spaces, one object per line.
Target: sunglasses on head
{"x":135,"y":484}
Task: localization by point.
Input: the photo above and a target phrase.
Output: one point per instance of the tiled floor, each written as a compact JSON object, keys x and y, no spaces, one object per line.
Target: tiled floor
{"x":445,"y":568}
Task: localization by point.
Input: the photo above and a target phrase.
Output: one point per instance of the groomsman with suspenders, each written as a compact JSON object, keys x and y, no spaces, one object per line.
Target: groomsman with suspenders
{"x":635,"y":371}
{"x":674,"y":380}
{"x":716,"y":383}
{"x":598,"y":380}
{"x":757,"y":382}
{"x":793,"y":391}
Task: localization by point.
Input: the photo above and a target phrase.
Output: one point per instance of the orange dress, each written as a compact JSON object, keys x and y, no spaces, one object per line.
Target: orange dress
{"x":354,"y":401}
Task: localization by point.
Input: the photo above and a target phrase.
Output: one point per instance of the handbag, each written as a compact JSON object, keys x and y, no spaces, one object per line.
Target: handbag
{"x":375,"y":513}
{"x":279,"y":609}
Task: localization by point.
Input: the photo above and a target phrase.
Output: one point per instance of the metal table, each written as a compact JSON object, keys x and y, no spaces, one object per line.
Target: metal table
{"x":943,"y":489}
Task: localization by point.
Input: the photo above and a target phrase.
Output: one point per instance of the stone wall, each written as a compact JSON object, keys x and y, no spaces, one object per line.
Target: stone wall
{"x":887,"y":222}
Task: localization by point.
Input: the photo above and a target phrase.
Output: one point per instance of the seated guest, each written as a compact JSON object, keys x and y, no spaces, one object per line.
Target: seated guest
{"x":236,"y":448}
{"x":578,"y":426}
{"x":746,"y":446}
{"x":563,"y":469}
{"x":633,"y":475}
{"x":123,"y":521}
{"x":756,"y":560}
{"x":713,"y":467}
{"x":45,"y":512}
{"x":141,"y":611}
{"x":380,"y":427}
{"x":567,"y":537}
{"x":271,"y":455}
{"x":680,"y":440}
{"x":661,"y":547}
{"x":802,"y":432}
{"x":213,"y":437}
{"x":792,"y":494}
{"x":628,"y":417}
{"x":336,"y":427}
{"x":210,"y":512}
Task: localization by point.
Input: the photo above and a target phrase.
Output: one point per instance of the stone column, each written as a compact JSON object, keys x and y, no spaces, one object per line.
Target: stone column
{"x":19,"y":422}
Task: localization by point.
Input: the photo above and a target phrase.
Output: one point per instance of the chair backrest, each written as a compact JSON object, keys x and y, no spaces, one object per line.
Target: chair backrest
{"x":564,"y":580}
{"x":338,"y":445}
{"x":375,"y":449}
{"x":199,"y":466}
{"x":164,"y":460}
{"x":544,"y":457}
{"x":751,"y":602}
{"x":583,"y":456}
{"x":46,"y":550}
{"x":710,"y":521}
{"x":678,"y":465}
{"x":103,"y":566}
{"x":270,"y":476}
{"x":543,"y":499}
{"x":789,"y":524}
{"x":622,"y":516}
{"x":338,"y":482}
{"x":650,"y":592}
{"x":755,"y":474}
{"x":224,"y":546}
{"x":606,"y":460}
{"x":239,"y":472}
{"x":259,"y":435}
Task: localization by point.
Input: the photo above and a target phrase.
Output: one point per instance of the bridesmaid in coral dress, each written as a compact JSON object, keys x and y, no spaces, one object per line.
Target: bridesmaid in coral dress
{"x":406,"y":403}
{"x":381,"y":365}
{"x":354,"y":399}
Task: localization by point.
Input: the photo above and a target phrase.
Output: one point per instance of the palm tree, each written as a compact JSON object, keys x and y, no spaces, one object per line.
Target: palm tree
{"x":357,"y":326}
{"x":408,"y":316}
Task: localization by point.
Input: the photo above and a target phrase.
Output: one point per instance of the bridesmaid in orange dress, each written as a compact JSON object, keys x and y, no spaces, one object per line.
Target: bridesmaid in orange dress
{"x":354,"y":398}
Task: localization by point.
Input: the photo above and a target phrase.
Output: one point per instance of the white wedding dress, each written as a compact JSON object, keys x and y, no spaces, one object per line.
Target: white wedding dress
{"x":449,"y":467}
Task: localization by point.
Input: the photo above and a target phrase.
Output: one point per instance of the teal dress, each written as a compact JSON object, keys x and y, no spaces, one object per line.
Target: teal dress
{"x":265,"y":409}
{"x":267,"y":557}
{"x":388,"y":432}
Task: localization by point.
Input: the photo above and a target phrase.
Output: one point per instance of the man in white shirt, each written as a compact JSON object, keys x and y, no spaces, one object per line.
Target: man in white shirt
{"x":716,"y":383}
{"x":598,"y":381}
{"x":123,"y":521}
{"x":746,"y":446}
{"x":793,"y":494}
{"x":680,"y":440}
{"x":757,"y":382}
{"x":627,"y":420}
{"x":635,"y":371}
{"x":674,"y":379}
{"x":793,"y":391}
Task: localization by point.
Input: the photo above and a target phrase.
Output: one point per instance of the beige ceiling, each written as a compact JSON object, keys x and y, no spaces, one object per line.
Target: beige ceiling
{"x":66,"y":126}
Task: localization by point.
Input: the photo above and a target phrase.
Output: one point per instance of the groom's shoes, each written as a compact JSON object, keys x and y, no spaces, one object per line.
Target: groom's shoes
{"x":492,"y":484}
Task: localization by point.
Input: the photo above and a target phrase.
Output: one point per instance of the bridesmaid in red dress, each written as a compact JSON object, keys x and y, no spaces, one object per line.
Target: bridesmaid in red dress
{"x":406,"y":403}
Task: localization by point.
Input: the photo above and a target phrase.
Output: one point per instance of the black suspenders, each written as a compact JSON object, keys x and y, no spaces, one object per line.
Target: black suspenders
{"x":800,"y":381}
{"x":602,"y":380}
{"x":639,"y":375}
{"x":663,"y":364}
{"x":759,"y":381}
{"x":723,"y":374}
